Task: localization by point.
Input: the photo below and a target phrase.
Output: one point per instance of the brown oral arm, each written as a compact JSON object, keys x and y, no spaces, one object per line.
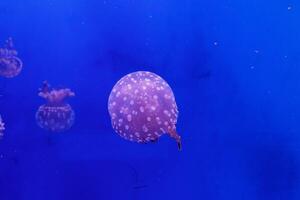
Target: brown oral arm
{"x":173,"y":133}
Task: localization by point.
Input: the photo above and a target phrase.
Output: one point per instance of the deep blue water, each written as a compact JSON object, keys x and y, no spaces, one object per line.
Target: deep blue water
{"x":233,"y":66}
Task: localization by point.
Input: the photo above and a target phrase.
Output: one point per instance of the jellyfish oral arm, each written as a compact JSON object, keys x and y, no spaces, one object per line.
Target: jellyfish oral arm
{"x":55,"y":96}
{"x":173,"y":133}
{"x":9,"y":43}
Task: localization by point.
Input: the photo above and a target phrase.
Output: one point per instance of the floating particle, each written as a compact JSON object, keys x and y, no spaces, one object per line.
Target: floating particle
{"x":56,"y":115}
{"x":10,"y":64}
{"x":142,"y":108}
{"x":2,"y":128}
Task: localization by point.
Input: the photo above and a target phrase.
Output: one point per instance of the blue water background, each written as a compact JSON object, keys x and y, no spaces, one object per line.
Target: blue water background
{"x":233,"y":65}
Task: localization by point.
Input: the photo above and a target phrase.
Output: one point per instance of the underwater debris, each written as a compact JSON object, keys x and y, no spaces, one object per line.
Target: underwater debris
{"x":142,"y":107}
{"x":137,"y":183}
{"x":204,"y":75}
{"x":138,"y":187}
{"x":10,"y":64}
{"x":56,"y":115}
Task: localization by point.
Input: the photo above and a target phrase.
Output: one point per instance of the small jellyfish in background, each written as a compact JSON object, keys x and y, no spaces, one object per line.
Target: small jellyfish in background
{"x":142,"y":107}
{"x":55,"y":115}
{"x":2,"y":128}
{"x":10,"y":64}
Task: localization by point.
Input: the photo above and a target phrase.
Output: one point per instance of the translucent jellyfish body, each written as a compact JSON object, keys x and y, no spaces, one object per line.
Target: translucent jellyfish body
{"x":55,"y":115}
{"x":10,"y":64}
{"x":2,"y":128}
{"x":142,"y":107}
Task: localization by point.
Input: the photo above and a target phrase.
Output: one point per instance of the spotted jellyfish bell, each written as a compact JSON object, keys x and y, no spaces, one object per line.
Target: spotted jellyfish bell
{"x":56,"y":115}
{"x":142,"y":107}
{"x":10,"y":64}
{"x":2,"y":128}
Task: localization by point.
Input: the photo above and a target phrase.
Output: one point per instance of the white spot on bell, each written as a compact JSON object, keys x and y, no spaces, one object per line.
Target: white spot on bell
{"x":129,"y":118}
{"x":137,"y":134}
{"x":142,"y":109}
{"x":167,"y":96}
{"x":145,"y":129}
{"x":134,"y":112}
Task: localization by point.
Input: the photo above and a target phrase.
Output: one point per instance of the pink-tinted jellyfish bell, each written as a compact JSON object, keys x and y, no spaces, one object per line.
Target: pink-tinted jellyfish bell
{"x":2,"y":128}
{"x":142,"y":107}
{"x":55,"y":115}
{"x":10,"y":64}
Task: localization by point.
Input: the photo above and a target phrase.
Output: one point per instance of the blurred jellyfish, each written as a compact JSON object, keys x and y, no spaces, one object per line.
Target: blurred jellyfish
{"x":2,"y":128}
{"x":10,"y":64}
{"x":56,"y":115}
{"x":142,"y":108}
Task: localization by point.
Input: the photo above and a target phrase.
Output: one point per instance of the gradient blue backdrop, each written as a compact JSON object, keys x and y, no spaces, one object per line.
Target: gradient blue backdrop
{"x":233,"y":66}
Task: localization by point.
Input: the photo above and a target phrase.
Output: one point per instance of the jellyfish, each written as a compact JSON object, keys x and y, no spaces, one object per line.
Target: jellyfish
{"x":55,"y":115}
{"x":142,"y":107}
{"x":2,"y":128}
{"x":10,"y":64}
